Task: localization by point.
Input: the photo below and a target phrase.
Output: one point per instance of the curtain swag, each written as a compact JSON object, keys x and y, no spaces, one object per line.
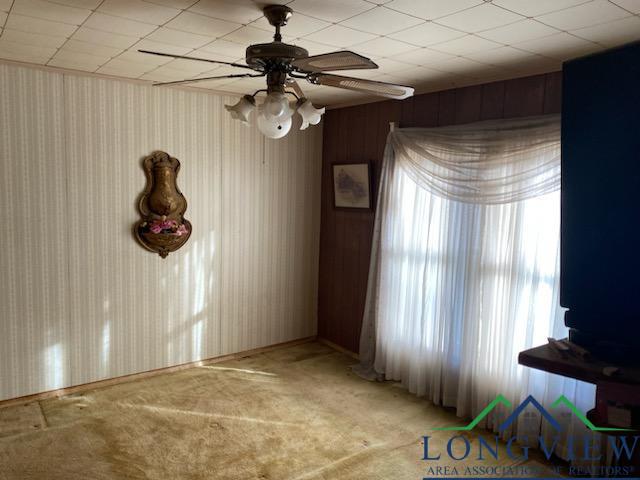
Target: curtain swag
{"x":490,"y":162}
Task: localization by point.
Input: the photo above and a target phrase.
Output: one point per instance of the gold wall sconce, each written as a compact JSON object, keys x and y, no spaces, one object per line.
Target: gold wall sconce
{"x":162,"y":228}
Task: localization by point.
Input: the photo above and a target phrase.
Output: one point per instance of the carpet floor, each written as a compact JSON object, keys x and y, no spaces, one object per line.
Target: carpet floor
{"x":288,"y":414}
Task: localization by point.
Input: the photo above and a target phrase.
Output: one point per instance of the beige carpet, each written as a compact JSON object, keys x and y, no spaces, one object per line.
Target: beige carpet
{"x":293,"y":413}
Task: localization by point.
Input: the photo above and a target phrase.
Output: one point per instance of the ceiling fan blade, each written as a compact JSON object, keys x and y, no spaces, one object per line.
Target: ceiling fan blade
{"x":193,"y":80}
{"x":342,"y":60}
{"x":295,"y":87}
{"x":383,"y":89}
{"x":161,"y":54}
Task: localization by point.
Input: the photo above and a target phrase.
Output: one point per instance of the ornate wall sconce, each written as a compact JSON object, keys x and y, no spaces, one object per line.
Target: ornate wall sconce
{"x":162,"y":228}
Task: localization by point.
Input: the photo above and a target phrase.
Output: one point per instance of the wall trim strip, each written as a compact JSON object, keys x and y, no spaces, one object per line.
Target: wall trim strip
{"x":108,"y":382}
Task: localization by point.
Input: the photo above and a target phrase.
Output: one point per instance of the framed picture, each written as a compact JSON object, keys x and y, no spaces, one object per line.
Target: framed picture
{"x":352,"y":186}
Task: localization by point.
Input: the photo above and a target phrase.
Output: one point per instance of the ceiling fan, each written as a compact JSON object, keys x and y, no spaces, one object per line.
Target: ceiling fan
{"x":282,"y":64}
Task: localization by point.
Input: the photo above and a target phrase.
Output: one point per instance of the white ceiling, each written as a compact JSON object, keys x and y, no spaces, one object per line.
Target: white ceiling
{"x":431,"y":44}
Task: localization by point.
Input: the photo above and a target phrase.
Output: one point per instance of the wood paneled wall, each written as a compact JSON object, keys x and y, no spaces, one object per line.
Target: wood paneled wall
{"x":358,"y":134}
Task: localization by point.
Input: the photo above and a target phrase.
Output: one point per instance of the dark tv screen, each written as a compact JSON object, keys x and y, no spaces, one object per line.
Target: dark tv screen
{"x":600,"y":226}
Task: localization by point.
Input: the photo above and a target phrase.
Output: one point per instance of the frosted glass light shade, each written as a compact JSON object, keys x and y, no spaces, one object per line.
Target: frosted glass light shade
{"x":242,"y":109}
{"x":310,"y":115}
{"x":273,"y":128}
{"x":276,"y":107}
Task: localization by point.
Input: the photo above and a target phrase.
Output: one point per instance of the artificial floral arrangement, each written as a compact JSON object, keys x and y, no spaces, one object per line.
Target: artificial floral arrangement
{"x":165,"y":226}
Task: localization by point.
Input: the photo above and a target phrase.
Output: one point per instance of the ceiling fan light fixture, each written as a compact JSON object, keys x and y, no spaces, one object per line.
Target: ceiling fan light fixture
{"x":242,"y":109}
{"x":310,"y":114}
{"x":282,"y":64}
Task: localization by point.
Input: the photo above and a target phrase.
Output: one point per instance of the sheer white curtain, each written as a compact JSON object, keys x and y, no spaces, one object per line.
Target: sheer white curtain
{"x":464,"y":271}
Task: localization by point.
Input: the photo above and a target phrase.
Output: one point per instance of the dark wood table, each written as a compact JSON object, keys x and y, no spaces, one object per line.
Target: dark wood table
{"x":590,"y":370}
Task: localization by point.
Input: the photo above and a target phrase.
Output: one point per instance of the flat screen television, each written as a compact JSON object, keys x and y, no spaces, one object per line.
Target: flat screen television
{"x":600,"y":220}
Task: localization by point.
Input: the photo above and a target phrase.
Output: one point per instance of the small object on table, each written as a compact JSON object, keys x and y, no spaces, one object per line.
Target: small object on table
{"x":576,"y":349}
{"x":558,"y":347}
{"x":610,"y":371}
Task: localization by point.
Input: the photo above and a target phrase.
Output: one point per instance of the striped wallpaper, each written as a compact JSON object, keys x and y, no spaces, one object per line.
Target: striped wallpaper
{"x":79,"y":300}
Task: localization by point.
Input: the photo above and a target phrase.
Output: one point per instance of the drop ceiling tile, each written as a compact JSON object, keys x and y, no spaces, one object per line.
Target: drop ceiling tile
{"x":423,"y":56}
{"x":239,"y":11}
{"x":382,"y":21}
{"x":202,"y":25}
{"x":464,"y":45}
{"x":331,"y":10}
{"x":138,"y":10}
{"x":132,"y":55}
{"x":86,"y":4}
{"x":461,"y":65}
{"x":613,"y":33}
{"x":146,"y":44}
{"x":533,"y":8}
{"x":34,"y":39}
{"x":171,"y":73}
{"x":339,"y":36}
{"x":223,"y":70}
{"x":77,"y":61}
{"x":123,"y":68}
{"x":5,"y":5}
{"x":3,"y":18}
{"x":114,"y":72}
{"x":299,"y":25}
{"x":70,"y":65}
{"x":384,"y":47}
{"x":585,"y":15}
{"x":37,"y":25}
{"x":388,"y":65}
{"x":503,"y":56}
{"x":50,"y":11}
{"x":220,"y":57}
{"x":314,"y":48}
{"x":427,"y":34}
{"x":190,"y":67}
{"x":417,"y":75}
{"x":162,"y":76}
{"x":218,"y":84}
{"x":225,"y":47}
{"x":482,"y":17}
{"x":561,"y":46}
{"x":107,"y":39}
{"x":630,"y":5}
{"x":429,"y":9}
{"x":119,"y":25}
{"x":91,"y":48}
{"x":518,"y":32}
{"x":182,"y":4}
{"x":25,"y":53}
{"x":179,"y":38}
{"x":534,"y":64}
{"x":248,"y":35}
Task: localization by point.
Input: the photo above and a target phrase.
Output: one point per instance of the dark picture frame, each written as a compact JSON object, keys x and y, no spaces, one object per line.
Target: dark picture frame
{"x":352,"y":186}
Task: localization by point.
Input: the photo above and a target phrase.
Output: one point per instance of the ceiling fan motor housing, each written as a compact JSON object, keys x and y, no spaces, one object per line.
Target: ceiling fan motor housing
{"x":266,"y":55}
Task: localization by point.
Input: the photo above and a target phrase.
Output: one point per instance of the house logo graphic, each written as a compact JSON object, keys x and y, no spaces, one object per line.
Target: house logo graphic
{"x":515,"y":443}
{"x":530,"y":400}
